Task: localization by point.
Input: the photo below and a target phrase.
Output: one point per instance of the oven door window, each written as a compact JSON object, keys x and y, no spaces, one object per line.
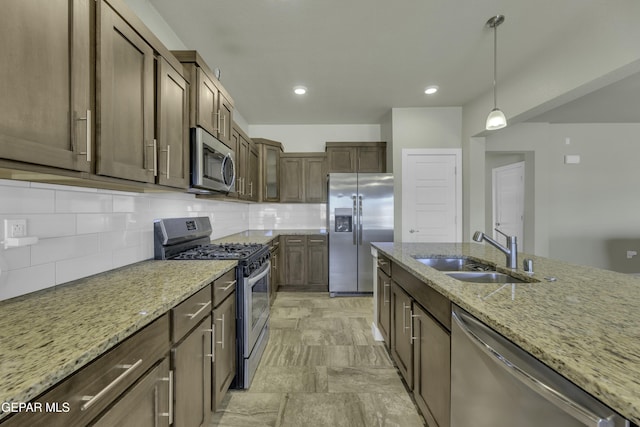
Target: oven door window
{"x":259,"y":299}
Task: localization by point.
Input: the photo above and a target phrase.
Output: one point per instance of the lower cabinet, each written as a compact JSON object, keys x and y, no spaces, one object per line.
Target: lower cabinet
{"x":384,"y":305}
{"x":145,"y":405}
{"x":401,"y":339}
{"x":305,"y":263}
{"x":419,"y":337}
{"x":274,"y":277}
{"x":432,"y":368}
{"x":192,"y":359}
{"x":104,"y":386}
{"x":224,"y":332}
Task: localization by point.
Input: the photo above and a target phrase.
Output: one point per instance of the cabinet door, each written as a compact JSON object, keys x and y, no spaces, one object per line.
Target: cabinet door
{"x":224,"y":323}
{"x":295,"y":271}
{"x":191,"y":363}
{"x":341,"y":159}
{"x":207,"y":103}
{"x":291,"y":179}
{"x":275,"y":270}
{"x":372,"y":159}
{"x":45,"y":83}
{"x":125,"y":100}
{"x":315,"y":180}
{"x":253,"y":178}
{"x":401,"y":342}
{"x":225,"y":118}
{"x":172,"y":127}
{"x":271,"y":167}
{"x":145,"y":405}
{"x":317,"y":261}
{"x":384,"y":305}
{"x":432,"y":368}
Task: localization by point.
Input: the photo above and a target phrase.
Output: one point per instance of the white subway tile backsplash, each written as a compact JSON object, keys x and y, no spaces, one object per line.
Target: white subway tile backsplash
{"x":25,"y":280}
{"x":60,"y":248}
{"x":18,"y":200}
{"x":76,"y":268}
{"x":87,"y":231}
{"x":100,"y":223}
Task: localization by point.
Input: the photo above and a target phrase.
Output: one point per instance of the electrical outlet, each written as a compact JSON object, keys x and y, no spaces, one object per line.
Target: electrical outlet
{"x":15,"y":228}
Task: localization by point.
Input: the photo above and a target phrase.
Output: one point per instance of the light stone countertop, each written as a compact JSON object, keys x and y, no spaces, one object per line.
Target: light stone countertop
{"x":585,"y":325}
{"x":47,"y":335}
{"x":265,"y":236}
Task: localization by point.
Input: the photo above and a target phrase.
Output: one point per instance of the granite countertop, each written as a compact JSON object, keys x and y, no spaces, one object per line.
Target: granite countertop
{"x":265,"y":236}
{"x":47,"y":335}
{"x":585,"y":325}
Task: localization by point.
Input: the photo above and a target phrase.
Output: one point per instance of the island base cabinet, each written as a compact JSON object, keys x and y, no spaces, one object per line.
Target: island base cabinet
{"x":432,"y":368}
{"x":145,"y":405}
{"x":401,"y":342}
{"x":384,"y":305}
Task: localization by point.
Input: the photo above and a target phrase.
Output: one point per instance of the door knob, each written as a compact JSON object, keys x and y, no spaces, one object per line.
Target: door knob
{"x":414,"y":231}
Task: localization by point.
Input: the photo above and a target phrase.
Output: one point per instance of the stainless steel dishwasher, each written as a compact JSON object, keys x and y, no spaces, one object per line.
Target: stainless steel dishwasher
{"x":494,"y":383}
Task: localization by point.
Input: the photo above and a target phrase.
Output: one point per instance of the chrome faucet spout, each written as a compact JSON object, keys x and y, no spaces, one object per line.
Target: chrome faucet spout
{"x":511,"y":252}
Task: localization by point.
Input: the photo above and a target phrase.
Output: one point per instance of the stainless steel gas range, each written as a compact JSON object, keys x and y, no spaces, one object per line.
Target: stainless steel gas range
{"x":189,"y":239}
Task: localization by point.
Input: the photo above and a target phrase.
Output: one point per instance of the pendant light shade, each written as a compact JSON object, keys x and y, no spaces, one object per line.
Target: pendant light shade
{"x":496,"y":118}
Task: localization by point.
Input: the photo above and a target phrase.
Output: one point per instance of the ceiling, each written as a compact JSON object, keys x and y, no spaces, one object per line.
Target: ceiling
{"x":360,"y":58}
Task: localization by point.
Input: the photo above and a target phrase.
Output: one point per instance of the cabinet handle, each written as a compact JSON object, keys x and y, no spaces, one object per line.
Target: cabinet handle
{"x":384,"y":292}
{"x":294,"y":241}
{"x":87,"y":118}
{"x":168,"y":151}
{"x":90,"y":400}
{"x":316,"y":241}
{"x":215,"y":117}
{"x":224,"y":125}
{"x":382,"y":263}
{"x":412,"y":317}
{"x":230,"y":284}
{"x":155,"y":157}
{"x":404,"y":318}
{"x":251,"y":189}
{"x":213,"y":343}
{"x":204,"y":307}
{"x":222,"y":329}
{"x":170,"y":413}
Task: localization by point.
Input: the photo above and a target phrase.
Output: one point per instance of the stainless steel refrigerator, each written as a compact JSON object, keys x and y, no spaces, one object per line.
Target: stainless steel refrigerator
{"x":360,"y":211}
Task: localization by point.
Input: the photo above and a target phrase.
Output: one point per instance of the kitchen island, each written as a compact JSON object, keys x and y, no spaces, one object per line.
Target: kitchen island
{"x":584,"y":325}
{"x":47,"y":335}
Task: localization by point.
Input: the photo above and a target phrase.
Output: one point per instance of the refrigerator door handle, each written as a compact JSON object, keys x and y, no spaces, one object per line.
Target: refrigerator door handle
{"x":360,"y":219}
{"x":354,"y":227}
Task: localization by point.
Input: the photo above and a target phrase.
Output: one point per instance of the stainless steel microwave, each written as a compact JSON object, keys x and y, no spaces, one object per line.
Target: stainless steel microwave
{"x":212,"y":163}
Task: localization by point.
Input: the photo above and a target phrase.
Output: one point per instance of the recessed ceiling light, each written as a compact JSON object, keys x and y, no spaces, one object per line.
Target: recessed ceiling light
{"x":299,"y":90}
{"x":430,"y":90}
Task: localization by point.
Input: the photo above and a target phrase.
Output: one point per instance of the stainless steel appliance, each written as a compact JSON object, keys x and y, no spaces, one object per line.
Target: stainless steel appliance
{"x":494,"y":383}
{"x":360,"y":211}
{"x":212,"y":163}
{"x":189,"y":239}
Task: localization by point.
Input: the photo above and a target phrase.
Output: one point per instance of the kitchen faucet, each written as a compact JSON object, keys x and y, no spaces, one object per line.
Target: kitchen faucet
{"x":511,"y":251}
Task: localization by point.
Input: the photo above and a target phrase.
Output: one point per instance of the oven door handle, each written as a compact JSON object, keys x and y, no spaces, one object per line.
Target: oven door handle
{"x":264,"y":270}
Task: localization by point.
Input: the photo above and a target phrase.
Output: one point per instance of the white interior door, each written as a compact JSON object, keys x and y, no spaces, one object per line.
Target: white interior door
{"x":431,"y":195}
{"x":508,"y":202}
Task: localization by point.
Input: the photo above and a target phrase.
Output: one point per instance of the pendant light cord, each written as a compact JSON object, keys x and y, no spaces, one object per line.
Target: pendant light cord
{"x":495,"y":66}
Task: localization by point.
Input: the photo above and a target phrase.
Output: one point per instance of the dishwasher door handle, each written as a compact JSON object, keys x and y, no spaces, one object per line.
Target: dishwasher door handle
{"x":467,"y":324}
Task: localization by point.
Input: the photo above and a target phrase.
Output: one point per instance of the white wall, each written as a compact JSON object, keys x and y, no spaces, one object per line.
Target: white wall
{"x":156,"y":23}
{"x":592,"y":56}
{"x":585,"y":213}
{"x":420,"y":128}
{"x":312,"y":138}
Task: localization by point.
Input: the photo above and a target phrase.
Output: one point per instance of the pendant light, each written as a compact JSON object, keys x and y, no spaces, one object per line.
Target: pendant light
{"x":496,"y":119}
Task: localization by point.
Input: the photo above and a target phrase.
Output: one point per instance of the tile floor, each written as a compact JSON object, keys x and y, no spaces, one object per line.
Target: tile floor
{"x":321,"y":368}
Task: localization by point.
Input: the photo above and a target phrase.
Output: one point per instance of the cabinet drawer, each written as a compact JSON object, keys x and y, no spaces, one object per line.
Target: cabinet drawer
{"x":384,"y":264}
{"x":294,"y":240}
{"x":223,"y":286}
{"x":317,"y":239}
{"x":189,"y":313}
{"x":90,"y":390}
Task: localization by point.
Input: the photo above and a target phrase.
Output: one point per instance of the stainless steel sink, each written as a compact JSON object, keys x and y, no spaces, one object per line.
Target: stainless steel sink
{"x":484,"y":277}
{"x":454,"y":264}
